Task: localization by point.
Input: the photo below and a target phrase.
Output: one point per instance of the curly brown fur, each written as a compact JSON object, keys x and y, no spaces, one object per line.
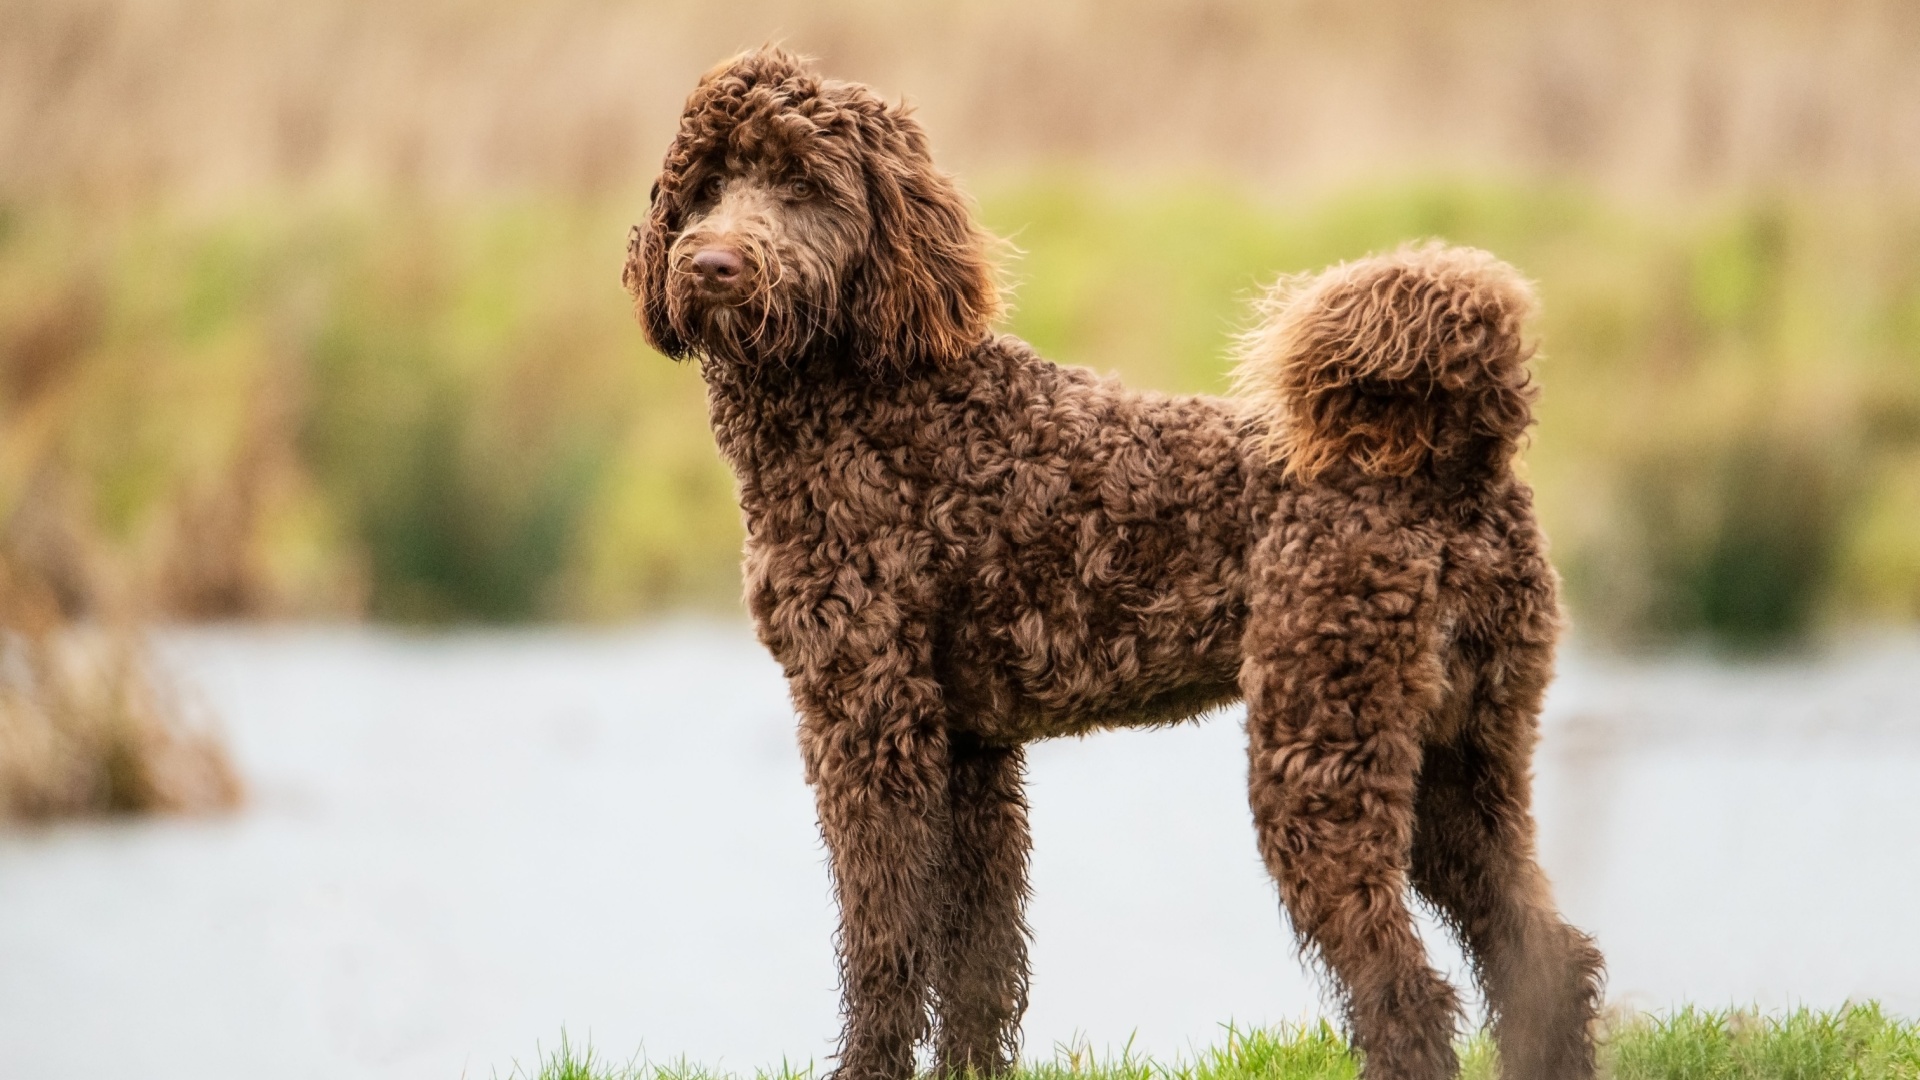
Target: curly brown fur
{"x":1400,"y":362}
{"x":955,"y":547}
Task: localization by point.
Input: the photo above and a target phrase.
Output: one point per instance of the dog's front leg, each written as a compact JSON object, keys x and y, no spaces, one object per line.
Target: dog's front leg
{"x":980,"y":988}
{"x":875,"y":744}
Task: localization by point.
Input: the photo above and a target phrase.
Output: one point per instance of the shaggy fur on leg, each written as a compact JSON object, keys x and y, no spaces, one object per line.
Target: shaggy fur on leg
{"x":955,"y":547}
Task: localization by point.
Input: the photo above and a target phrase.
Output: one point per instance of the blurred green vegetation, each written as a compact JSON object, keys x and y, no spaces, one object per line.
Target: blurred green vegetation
{"x":434,"y":412}
{"x":1730,"y":433}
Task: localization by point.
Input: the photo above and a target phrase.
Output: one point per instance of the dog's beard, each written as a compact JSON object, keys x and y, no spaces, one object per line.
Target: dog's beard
{"x":776,"y":323}
{"x":751,"y":334}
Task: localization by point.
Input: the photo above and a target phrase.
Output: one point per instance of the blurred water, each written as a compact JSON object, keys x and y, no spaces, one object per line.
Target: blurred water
{"x":457,"y":846}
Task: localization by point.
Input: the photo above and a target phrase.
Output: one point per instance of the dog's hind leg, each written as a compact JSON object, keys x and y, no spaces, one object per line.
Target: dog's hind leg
{"x":980,"y":989}
{"x":1340,"y":672}
{"x":1473,"y":858}
{"x":874,"y":738}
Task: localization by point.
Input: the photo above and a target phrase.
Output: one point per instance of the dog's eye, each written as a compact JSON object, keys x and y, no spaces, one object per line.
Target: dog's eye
{"x":713,"y":187}
{"x":799,"y":189}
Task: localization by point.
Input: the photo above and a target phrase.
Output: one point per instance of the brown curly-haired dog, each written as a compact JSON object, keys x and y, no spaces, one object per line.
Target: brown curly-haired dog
{"x":955,"y":547}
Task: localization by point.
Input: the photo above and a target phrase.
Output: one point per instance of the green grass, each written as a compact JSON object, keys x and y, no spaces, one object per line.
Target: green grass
{"x":1858,"y":1042}
{"x":1855,"y":1042}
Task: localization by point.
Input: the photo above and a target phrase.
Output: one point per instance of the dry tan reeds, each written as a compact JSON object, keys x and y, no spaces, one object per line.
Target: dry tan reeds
{"x":212,"y":96}
{"x":86,"y":727}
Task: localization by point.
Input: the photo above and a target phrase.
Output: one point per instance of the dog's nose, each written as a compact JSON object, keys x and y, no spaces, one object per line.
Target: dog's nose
{"x":717,"y":264}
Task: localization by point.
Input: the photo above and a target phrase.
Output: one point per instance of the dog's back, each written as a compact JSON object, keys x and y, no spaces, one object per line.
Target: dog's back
{"x":1101,"y":540}
{"x":1102,"y":537}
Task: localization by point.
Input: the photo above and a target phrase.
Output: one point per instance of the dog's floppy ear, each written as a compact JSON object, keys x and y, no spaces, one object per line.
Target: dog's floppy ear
{"x":924,"y":290}
{"x":645,"y":273}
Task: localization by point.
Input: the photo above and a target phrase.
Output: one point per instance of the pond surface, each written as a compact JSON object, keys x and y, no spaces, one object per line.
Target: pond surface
{"x":458,"y":846}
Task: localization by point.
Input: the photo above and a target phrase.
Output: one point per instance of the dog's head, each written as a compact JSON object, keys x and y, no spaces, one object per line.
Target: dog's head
{"x":795,"y":215}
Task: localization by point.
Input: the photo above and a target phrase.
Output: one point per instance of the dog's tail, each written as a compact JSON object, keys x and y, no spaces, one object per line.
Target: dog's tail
{"x":1396,"y":364}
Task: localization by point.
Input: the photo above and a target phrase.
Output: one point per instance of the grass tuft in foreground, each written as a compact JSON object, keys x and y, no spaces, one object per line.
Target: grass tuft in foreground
{"x":1858,"y":1042}
{"x":1855,"y":1042}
